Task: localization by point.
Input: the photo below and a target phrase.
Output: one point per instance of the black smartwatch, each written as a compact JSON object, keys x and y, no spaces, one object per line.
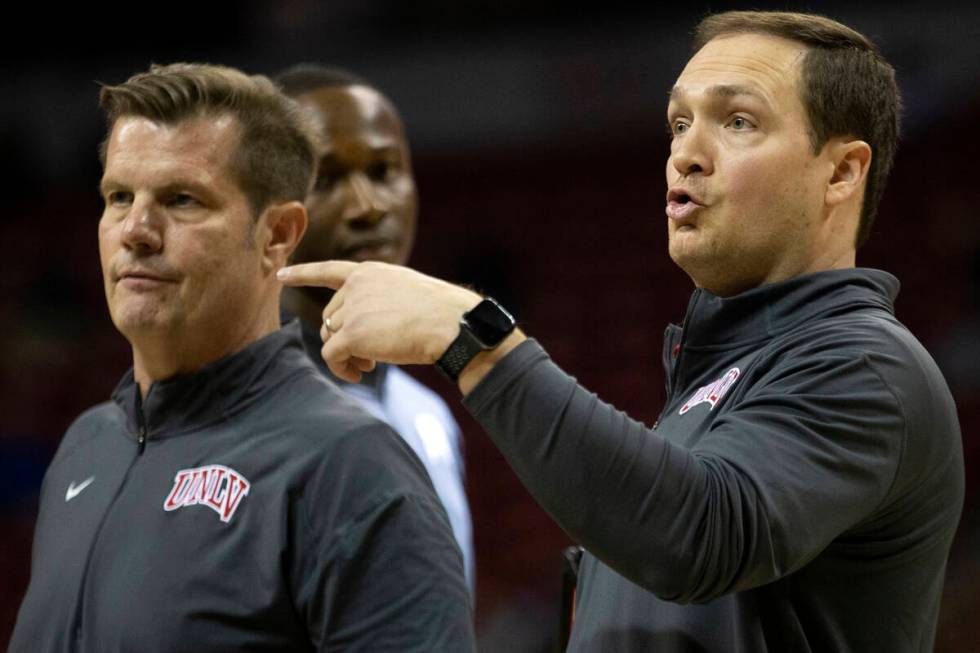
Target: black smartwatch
{"x":480,"y":329}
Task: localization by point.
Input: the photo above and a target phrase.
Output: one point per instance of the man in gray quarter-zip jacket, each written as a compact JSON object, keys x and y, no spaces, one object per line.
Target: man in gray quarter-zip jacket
{"x":802,"y":487}
{"x":228,"y":498}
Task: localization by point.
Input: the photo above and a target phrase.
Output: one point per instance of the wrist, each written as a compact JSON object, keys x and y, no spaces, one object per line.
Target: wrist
{"x":448,"y":329}
{"x":482,"y":363}
{"x":480,"y":330}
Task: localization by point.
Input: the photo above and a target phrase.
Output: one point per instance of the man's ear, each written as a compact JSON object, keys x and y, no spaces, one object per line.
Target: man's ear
{"x":279,"y":231}
{"x":851,"y":159}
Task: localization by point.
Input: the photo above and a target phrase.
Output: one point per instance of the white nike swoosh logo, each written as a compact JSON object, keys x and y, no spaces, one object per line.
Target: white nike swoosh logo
{"x":74,"y":490}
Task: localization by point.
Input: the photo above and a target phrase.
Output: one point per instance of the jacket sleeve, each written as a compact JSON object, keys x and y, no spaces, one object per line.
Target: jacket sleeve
{"x":378,"y":567}
{"x":809,"y":453}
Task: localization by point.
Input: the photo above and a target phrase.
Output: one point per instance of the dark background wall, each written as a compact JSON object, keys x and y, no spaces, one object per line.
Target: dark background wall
{"x":539,"y":143}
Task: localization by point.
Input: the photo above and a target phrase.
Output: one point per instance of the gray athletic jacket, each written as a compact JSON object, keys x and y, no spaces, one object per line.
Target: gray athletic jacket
{"x":799,"y":492}
{"x":250,"y":506}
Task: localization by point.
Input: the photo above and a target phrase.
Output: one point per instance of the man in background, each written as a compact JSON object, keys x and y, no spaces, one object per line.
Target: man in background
{"x":364,"y":207}
{"x":227,"y":498}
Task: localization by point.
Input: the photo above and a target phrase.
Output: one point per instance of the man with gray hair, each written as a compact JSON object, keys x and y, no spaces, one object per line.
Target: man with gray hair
{"x":227,"y":498}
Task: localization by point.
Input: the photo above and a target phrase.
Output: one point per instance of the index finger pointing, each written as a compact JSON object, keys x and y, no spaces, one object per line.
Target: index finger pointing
{"x":329,"y":274}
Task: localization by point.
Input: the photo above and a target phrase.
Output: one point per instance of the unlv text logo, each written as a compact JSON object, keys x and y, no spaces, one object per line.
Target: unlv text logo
{"x":713,"y":392}
{"x":218,"y":487}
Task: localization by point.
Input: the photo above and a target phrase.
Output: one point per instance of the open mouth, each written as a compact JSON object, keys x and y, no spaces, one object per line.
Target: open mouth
{"x":680,"y":205}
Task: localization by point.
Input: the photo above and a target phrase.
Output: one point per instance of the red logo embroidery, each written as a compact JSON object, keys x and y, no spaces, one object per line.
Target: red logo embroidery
{"x":713,"y":392}
{"x":218,"y":487}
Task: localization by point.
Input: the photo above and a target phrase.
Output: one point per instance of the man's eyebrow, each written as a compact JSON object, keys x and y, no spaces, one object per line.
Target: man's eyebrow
{"x":106,"y":183}
{"x":186,"y":184}
{"x":384,"y":149}
{"x":719,"y":90}
{"x":176,"y":183}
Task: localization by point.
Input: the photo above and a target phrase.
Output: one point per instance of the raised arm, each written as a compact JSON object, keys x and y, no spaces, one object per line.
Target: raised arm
{"x":391,"y":314}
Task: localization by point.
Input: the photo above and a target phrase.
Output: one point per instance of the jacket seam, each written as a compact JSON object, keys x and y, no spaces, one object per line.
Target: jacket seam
{"x":905,"y":431}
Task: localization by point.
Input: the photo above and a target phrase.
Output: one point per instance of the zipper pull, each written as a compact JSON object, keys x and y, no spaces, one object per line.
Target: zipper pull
{"x":141,"y":422}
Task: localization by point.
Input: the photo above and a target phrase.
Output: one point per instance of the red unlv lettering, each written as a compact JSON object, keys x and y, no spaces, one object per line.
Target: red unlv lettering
{"x":217,"y":487}
{"x":713,"y":392}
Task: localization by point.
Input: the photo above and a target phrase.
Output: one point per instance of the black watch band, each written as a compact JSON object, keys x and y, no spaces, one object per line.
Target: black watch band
{"x":480,"y":329}
{"x":462,"y":350}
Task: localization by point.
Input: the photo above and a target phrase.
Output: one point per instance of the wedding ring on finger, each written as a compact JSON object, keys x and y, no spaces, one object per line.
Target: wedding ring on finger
{"x":329,"y":327}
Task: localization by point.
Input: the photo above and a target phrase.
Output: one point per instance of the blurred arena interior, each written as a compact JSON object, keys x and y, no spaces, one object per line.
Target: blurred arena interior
{"x":539,"y":143}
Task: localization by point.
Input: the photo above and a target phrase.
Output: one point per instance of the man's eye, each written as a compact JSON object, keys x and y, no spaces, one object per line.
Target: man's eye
{"x":679,"y":127}
{"x":118,"y":197}
{"x":378,"y":171}
{"x":740,"y":123}
{"x":326,"y":181}
{"x":183,"y":200}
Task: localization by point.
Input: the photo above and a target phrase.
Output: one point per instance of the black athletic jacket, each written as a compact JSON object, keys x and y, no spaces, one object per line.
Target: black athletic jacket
{"x":799,"y":492}
{"x":250,"y":506}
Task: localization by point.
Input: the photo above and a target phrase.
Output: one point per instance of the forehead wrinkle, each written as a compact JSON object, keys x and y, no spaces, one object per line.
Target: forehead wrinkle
{"x":356,"y":116}
{"x":746,"y":63}
{"x":147,"y":152}
{"x":764,"y":84}
{"x":770,"y":63}
{"x":719,"y":90}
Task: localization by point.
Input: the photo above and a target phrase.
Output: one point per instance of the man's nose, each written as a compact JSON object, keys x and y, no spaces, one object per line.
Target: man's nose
{"x":691,"y":152}
{"x":365,"y":204}
{"x":143,"y":227}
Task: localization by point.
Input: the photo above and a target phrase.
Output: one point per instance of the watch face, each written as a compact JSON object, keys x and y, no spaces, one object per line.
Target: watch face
{"x":489,"y":322}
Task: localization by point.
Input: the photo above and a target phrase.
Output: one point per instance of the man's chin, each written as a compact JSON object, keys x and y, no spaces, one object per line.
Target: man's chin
{"x":696,"y":262}
{"x":136,"y":326}
{"x":686,"y":255}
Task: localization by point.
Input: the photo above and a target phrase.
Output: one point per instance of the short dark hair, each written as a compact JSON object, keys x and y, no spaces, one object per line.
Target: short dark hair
{"x":305,"y":77}
{"x":847,"y":87}
{"x":275,"y":157}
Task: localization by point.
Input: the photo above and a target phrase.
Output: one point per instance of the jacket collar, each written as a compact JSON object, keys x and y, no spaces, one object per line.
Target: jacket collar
{"x":209,"y":395}
{"x":759,"y":314}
